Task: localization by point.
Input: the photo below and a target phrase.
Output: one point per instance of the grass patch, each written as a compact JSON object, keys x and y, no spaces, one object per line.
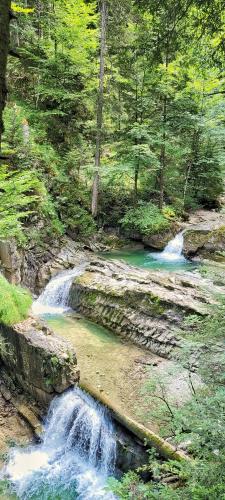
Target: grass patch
{"x":15,"y":302}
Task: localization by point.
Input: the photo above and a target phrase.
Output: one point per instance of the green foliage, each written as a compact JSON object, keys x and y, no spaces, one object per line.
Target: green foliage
{"x":210,"y":327}
{"x":72,"y":206}
{"x":21,"y":10}
{"x":132,"y":488}
{"x":159,"y":103}
{"x":200,"y":424}
{"x":146,"y":219}
{"x":19,"y":193}
{"x":14,"y":302}
{"x":169,"y":212}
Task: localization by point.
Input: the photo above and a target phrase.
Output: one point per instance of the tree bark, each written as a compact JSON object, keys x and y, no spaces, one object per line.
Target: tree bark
{"x":99,"y":115}
{"x":163,"y":147}
{"x":5,"y":17}
{"x":163,"y":156}
{"x":194,"y":149}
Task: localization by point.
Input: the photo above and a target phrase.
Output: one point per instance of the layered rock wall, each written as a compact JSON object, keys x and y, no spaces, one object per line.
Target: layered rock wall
{"x":146,"y":307}
{"x":34,"y":267}
{"x":37,"y":360}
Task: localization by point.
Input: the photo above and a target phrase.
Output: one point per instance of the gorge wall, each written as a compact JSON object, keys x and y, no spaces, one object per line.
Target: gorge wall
{"x":145,"y":307}
{"x":37,"y":360}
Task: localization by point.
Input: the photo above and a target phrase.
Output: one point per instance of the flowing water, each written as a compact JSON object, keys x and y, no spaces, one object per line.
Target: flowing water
{"x":78,"y":450}
{"x":170,"y":259}
{"x":172,"y":251}
{"x":54,"y":298}
{"x":74,"y":459}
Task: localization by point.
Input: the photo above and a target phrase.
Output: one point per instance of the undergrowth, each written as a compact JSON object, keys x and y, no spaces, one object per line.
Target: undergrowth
{"x":14,"y":302}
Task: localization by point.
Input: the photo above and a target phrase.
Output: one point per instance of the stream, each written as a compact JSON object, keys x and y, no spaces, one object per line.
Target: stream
{"x":170,"y":259}
{"x":78,"y":451}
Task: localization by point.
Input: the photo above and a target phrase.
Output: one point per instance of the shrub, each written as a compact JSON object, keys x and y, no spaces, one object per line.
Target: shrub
{"x":146,"y":219}
{"x":168,"y":212}
{"x":14,"y":302}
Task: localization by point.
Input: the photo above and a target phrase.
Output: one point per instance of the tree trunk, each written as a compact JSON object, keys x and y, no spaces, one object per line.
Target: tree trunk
{"x":137,"y":165}
{"x":163,"y":147}
{"x":163,"y":156}
{"x":4,"y":50}
{"x":99,"y":116}
{"x":136,"y":174}
{"x":192,"y":158}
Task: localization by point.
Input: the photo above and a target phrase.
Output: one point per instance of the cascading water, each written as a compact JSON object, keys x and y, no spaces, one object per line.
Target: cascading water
{"x":54,"y":298}
{"x":173,"y":250}
{"x":75,"y":458}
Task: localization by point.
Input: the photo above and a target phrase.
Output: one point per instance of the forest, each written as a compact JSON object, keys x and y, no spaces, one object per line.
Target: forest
{"x":147,"y":131}
{"x":112,"y":131}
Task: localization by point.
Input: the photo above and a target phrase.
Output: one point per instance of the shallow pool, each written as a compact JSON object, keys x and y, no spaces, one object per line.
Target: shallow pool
{"x":149,"y":259}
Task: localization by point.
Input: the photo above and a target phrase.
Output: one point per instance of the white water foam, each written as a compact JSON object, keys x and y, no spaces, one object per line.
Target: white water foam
{"x":172,"y":251}
{"x":54,"y":298}
{"x":75,"y":458}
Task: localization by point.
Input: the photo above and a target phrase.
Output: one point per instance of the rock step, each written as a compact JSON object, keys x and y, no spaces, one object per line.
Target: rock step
{"x":146,"y":307}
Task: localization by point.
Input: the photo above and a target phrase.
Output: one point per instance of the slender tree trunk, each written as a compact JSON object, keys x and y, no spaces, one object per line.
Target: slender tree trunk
{"x":194,"y":148}
{"x":163,"y":147}
{"x":137,"y":166}
{"x":99,"y":116}
{"x":119,"y":114}
{"x":138,"y":119}
{"x":163,"y":156}
{"x":4,"y":50}
{"x":136,"y":175}
{"x":193,"y":155}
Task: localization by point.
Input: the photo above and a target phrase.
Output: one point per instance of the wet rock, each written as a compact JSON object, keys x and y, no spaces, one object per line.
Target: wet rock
{"x":160,"y":240}
{"x":28,"y":415}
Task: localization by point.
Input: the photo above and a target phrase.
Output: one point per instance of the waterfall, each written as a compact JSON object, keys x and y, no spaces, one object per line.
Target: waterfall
{"x":54,"y":298}
{"x":173,"y":250}
{"x":75,"y":458}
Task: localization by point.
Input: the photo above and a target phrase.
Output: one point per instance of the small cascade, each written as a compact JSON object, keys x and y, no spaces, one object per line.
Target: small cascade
{"x":54,"y":298}
{"x":75,"y":458}
{"x":173,"y":250}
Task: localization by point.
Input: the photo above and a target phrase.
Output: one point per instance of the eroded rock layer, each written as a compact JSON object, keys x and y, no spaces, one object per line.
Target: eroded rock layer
{"x":146,"y":307}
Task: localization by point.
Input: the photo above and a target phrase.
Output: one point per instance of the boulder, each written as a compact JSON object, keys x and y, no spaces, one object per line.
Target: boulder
{"x":204,"y":235}
{"x":160,"y":240}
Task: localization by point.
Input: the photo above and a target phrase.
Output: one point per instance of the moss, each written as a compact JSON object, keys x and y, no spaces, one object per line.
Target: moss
{"x":154,"y":304}
{"x":218,"y":232}
{"x":196,"y":237}
{"x":55,"y":362}
{"x":90,"y":298}
{"x":84,"y":279}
